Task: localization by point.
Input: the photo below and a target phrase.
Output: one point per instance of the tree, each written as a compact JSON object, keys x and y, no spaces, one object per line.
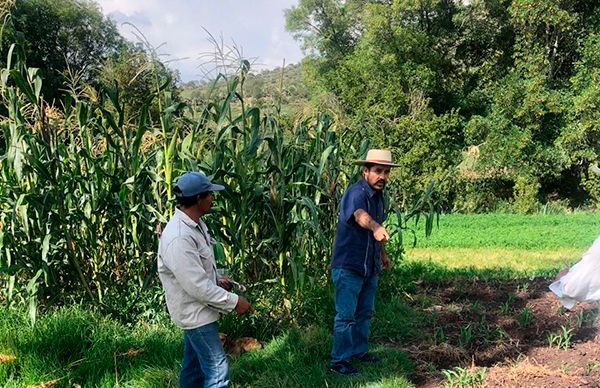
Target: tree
{"x":579,"y":138}
{"x":329,"y":27}
{"x":137,"y":76}
{"x":550,"y":29}
{"x":394,"y":78}
{"x":532,"y":133}
{"x":56,"y":35}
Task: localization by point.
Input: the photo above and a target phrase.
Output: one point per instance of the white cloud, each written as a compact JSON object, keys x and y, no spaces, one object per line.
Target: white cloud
{"x":126,"y":7}
{"x":170,"y":18}
{"x":256,"y":27}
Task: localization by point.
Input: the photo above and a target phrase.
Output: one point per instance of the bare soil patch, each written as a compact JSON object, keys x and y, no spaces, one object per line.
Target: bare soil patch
{"x":515,"y":329}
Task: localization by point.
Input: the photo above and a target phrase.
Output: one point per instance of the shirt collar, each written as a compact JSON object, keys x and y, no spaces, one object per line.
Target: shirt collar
{"x":185,"y":218}
{"x":370,"y":192}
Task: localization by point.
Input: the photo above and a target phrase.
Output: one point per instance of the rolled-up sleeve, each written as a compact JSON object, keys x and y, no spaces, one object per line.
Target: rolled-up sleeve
{"x":185,"y":262}
{"x":354,"y":200}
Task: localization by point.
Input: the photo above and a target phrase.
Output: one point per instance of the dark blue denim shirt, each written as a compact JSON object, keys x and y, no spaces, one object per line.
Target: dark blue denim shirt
{"x":355,"y":248}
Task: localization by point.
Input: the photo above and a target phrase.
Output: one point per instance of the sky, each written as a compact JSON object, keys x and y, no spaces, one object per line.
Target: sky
{"x":176,"y":27}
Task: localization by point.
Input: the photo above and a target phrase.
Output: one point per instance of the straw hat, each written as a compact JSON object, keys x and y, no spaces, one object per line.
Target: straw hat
{"x":383,"y":157}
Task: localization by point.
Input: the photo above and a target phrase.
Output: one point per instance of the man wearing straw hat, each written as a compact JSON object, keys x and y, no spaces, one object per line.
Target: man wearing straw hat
{"x":195,"y":297}
{"x":358,"y":257}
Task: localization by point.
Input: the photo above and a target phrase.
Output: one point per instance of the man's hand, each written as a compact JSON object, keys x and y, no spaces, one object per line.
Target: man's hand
{"x":242,"y":306}
{"x":365,"y":221}
{"x":225,"y":283}
{"x":381,"y":234}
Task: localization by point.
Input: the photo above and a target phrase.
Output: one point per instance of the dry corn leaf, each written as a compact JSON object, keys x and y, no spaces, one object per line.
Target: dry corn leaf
{"x":75,"y":363}
{"x":47,"y":384}
{"x":7,"y":358}
{"x":133,"y":352}
{"x":248,"y":344}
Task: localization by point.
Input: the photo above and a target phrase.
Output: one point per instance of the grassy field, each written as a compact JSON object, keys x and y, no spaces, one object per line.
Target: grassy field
{"x":524,"y":243}
{"x":515,"y":231}
{"x":74,"y":346}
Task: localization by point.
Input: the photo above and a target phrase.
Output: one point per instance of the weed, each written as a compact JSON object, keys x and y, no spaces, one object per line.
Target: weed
{"x":431,"y":368}
{"x":488,"y":333}
{"x":505,"y":308}
{"x":464,"y":377}
{"x":586,"y":318}
{"x":510,"y":298}
{"x":580,"y":318}
{"x":525,"y":317}
{"x":591,"y":366}
{"x":439,"y":335}
{"x":523,"y":288}
{"x":433,"y":317}
{"x":561,"y":340}
{"x":466,"y":335}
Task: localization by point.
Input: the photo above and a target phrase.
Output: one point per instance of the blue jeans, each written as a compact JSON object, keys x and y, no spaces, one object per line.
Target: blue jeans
{"x":354,"y":303}
{"x":204,"y":360}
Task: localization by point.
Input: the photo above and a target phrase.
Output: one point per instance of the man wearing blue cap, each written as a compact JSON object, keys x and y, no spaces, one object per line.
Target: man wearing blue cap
{"x":195,"y":297}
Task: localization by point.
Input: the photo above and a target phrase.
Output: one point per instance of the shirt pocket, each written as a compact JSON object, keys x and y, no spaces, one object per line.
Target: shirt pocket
{"x":208,"y":261}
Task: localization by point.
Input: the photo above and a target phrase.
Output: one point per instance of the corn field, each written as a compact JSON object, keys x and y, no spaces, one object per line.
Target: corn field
{"x":86,"y":187}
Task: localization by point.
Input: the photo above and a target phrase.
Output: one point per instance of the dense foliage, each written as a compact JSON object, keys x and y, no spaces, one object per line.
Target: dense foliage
{"x":494,"y":100}
{"x":86,"y":188}
{"x":495,"y":97}
{"x":65,"y":39}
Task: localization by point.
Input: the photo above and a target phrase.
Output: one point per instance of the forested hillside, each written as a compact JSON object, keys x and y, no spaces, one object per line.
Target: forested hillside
{"x":269,"y":89}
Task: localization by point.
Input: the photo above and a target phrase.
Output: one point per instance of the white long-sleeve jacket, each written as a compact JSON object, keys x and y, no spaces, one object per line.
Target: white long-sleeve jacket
{"x":582,"y":282}
{"x":187,"y":271}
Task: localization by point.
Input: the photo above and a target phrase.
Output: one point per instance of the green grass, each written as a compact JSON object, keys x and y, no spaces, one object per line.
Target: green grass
{"x":75,"y":346}
{"x":299,"y":359}
{"x":78,"y":347}
{"x":528,"y":244}
{"x":531,"y":232}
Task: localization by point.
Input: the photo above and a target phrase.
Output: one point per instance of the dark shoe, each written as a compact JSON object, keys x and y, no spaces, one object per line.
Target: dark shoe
{"x":368,"y":358}
{"x":343,"y":368}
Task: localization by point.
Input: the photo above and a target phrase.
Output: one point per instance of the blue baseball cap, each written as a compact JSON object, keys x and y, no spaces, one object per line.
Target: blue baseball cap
{"x":193,"y":183}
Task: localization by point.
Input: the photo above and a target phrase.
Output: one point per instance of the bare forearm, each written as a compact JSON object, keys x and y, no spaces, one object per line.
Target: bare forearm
{"x":365,"y":220}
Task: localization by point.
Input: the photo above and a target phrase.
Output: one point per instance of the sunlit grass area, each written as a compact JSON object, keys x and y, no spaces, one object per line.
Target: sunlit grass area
{"x":73,"y":346}
{"x":521,"y":260}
